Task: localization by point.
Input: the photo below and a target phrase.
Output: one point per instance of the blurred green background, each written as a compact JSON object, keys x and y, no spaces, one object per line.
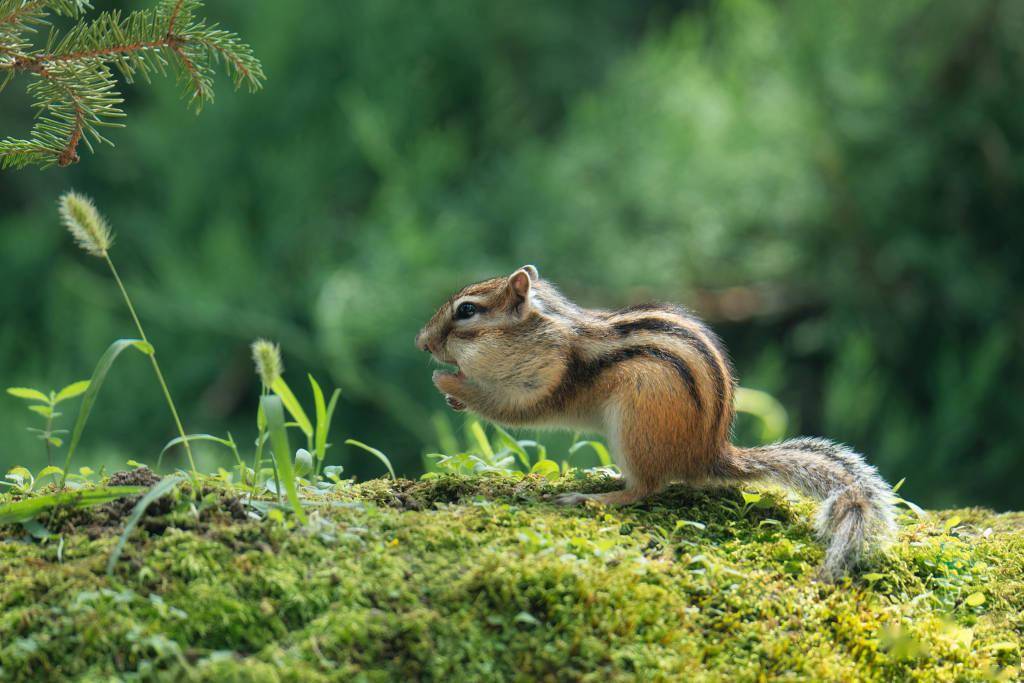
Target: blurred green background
{"x":837,"y":187}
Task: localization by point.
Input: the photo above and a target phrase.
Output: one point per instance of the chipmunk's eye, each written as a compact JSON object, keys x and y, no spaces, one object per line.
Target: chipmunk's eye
{"x":465,"y":310}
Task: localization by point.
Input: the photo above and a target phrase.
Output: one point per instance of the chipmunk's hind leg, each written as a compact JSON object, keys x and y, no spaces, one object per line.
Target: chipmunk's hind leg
{"x":639,"y":457}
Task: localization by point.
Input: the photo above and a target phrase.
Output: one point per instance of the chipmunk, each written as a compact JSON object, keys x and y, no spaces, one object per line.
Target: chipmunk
{"x":652,"y":378}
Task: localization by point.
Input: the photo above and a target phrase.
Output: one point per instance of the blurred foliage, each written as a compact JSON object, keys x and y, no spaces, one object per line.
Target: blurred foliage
{"x":835,"y":186}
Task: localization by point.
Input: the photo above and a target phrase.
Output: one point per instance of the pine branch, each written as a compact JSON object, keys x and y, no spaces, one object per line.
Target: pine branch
{"x":73,"y":87}
{"x":73,"y":102}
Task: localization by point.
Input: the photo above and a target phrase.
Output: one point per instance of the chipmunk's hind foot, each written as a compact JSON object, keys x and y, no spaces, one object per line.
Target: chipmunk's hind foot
{"x":626,"y":496}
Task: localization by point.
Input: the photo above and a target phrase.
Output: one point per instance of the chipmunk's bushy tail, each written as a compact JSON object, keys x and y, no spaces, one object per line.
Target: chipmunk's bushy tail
{"x":857,"y":508}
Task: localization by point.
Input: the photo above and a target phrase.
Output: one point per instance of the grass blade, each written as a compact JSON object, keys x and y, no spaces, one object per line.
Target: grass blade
{"x":320,"y":438}
{"x":191,"y":437}
{"x":482,"y":441}
{"x":373,"y":451}
{"x":765,"y":408}
{"x":331,"y":405}
{"x":280,"y":387}
{"x":273,"y":409}
{"x":510,"y":442}
{"x":158,"y":490}
{"x":602,"y":452}
{"x":32,"y":507}
{"x":95,"y":382}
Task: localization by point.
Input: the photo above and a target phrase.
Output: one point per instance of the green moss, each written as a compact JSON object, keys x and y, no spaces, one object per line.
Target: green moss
{"x":482,"y":579}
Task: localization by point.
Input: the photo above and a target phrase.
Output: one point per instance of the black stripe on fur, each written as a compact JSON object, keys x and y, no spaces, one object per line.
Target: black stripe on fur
{"x":627,"y":327}
{"x":582,"y":373}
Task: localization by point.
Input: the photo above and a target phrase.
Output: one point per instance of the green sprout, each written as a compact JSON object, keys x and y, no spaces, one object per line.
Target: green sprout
{"x":45,"y":405}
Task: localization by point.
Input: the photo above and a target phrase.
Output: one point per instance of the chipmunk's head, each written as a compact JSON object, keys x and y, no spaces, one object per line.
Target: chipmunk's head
{"x":481,"y":325}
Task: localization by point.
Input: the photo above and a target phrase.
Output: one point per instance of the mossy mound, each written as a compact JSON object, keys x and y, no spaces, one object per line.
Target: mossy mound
{"x":480,"y":579}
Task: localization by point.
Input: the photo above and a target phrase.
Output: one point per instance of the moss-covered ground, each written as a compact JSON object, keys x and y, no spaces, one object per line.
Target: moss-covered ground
{"x":481,"y":579}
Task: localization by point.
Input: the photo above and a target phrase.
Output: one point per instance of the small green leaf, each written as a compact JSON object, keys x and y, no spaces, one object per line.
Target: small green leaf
{"x":871,"y":578}
{"x":898,"y":485}
{"x":28,"y":394}
{"x":55,"y":441}
{"x":546,"y":468}
{"x":751,"y":498}
{"x":48,"y":471}
{"x":682,"y":523}
{"x":915,"y":508}
{"x":373,"y":451}
{"x":85,"y":471}
{"x":72,"y":390}
{"x":951,"y":522}
{"x":303,"y":462}
{"x":975,"y":599}
{"x":37,"y":530}
{"x":19,"y":475}
{"x":45,"y":411}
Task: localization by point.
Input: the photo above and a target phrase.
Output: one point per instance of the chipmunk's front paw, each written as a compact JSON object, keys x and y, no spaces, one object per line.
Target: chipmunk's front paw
{"x":454,"y":403}
{"x":448,"y":382}
{"x":451,"y":384}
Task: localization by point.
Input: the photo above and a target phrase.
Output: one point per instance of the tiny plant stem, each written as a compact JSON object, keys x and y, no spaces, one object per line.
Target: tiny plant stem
{"x":47,"y":436}
{"x":273,"y":460}
{"x":238,"y":458}
{"x":257,"y":460}
{"x":156,"y":366}
{"x":277,"y":482}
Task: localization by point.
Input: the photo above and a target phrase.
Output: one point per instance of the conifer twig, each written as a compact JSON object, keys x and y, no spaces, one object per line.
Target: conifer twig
{"x":71,"y":79}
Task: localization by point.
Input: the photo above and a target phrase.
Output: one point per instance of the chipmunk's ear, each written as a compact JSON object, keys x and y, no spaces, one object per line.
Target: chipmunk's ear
{"x":521,"y":280}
